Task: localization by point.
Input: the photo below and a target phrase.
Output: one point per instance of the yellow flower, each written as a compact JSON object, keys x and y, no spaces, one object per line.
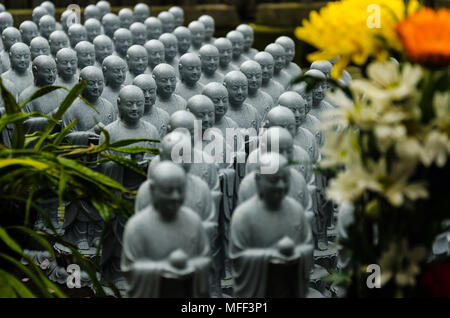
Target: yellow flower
{"x":343,"y":29}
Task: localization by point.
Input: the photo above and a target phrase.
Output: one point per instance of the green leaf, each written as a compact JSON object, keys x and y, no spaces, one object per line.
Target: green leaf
{"x":41,"y":92}
{"x":128,"y":163}
{"x":4,"y":236}
{"x":16,"y":285}
{"x":11,"y":107}
{"x":126,"y":142}
{"x":35,"y":235}
{"x":64,"y":133}
{"x":137,"y":149}
{"x":61,"y":188}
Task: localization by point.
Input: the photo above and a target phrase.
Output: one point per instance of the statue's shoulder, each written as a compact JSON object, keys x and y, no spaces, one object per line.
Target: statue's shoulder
{"x":188,"y":216}
{"x":245,"y":211}
{"x":198,"y":183}
{"x":151,"y":128}
{"x":231,"y":123}
{"x":162,"y":113}
{"x":266,"y":96}
{"x":139,"y":220}
{"x":179,"y":98}
{"x":300,"y":153}
{"x":248,"y":183}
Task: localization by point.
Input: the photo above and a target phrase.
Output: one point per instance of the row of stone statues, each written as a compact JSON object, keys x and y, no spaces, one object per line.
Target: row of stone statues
{"x":214,"y":215}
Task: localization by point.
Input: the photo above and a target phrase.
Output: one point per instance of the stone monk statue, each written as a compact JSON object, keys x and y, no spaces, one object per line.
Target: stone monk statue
{"x":141,"y":12}
{"x":85,"y":54}
{"x":268,"y":85}
{"x":126,"y":18}
{"x":104,"y":47}
{"x":170,"y":43}
{"x":77,"y":33}
{"x":139,"y":32}
{"x":289,"y":47}
{"x":111,"y":23}
{"x":190,"y":71}
{"x":114,"y":71}
{"x":237,"y":40}
{"x":39,"y":46}
{"x":210,"y":28}
{"x":93,"y":28}
{"x":178,"y":14}
{"x":184,"y":38}
{"x":165,"y":247}
{"x":166,"y":82}
{"x":10,"y":36}
{"x":154,"y":28}
{"x":58,"y":40}
{"x":209,"y":56}
{"x":19,"y":74}
{"x":198,"y":35}
{"x":279,"y":56}
{"x":137,"y":61}
{"x":156,"y":53}
{"x":67,"y":66}
{"x":225,"y":54}
{"x":122,"y":42}
{"x":29,"y":31}
{"x":247,"y":32}
{"x":168,"y":21}
{"x":271,"y":240}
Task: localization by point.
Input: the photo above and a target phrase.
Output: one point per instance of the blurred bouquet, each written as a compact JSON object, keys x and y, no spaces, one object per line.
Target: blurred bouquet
{"x":390,"y":152}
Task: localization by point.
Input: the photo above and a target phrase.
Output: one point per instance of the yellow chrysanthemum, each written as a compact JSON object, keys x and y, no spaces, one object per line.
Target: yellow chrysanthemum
{"x":352,"y":30}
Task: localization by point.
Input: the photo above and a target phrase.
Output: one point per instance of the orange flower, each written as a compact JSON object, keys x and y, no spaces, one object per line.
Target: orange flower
{"x":426,"y":37}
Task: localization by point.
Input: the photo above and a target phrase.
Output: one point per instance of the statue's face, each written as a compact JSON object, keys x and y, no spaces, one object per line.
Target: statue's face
{"x":155,"y":56}
{"x":254,"y":78}
{"x":272,"y":188}
{"x":191,"y":71}
{"x":198,"y":36}
{"x":279,"y":59}
{"x":209,"y":30}
{"x":111,"y":26}
{"x":47,"y":27}
{"x":290,"y":53}
{"x":286,"y":146}
{"x":141,"y":14}
{"x":45,"y":74}
{"x":237,"y":91}
{"x":149,"y":94}
{"x":220,"y":101}
{"x":318,"y":93}
{"x":102,"y":50}
{"x":171,"y":49}
{"x":179,"y":19}
{"x":86,"y":57}
{"x":91,"y":14}
{"x":137,"y":62}
{"x":39,"y":48}
{"x":184,"y":42}
{"x":166,"y":83}
{"x":122,"y":43}
{"x":154,"y":31}
{"x":131,"y":108}
{"x":205,"y":113}
{"x":94,"y":86}
{"x":139,"y":36}
{"x":168,"y":24}
{"x":20,"y":59}
{"x":77,"y":36}
{"x":238,"y":47}
{"x":11,"y":38}
{"x":126,"y":19}
{"x":5,"y":23}
{"x":168,"y":196}
{"x":58,"y":43}
{"x":301,"y":114}
{"x":29,"y":34}
{"x":267,"y":70}
{"x":210,"y":62}
{"x":116,"y":74}
{"x":248,"y":40}
{"x":225,"y":53}
{"x":67,"y":65}
{"x":298,"y":116}
{"x":93,"y":31}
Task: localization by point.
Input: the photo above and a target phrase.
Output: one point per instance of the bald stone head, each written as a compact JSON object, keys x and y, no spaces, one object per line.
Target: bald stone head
{"x":2,"y":8}
{"x":44,"y":70}
{"x":183,"y":121}
{"x":202,"y":108}
{"x":38,"y":13}
{"x":114,"y":71}
{"x":167,"y":20}
{"x":20,"y":57}
{"x":29,"y":31}
{"x":111,"y":23}
{"x":166,"y":80}
{"x":248,"y":34}
{"x":95,"y":83}
{"x":10,"y":35}
{"x":154,"y":28}
{"x":49,"y":6}
{"x":237,"y":85}
{"x":219,"y":96}
{"x":318,"y":92}
{"x":148,"y":86}
{"x":209,"y":24}
{"x":156,"y":53}
{"x":289,"y":47}
{"x":279,"y":56}
{"x":173,"y":146}
{"x":306,"y":95}
{"x":6,"y":20}
{"x":281,"y":116}
{"x":170,"y":42}
{"x":58,"y":40}
{"x":139,"y":33}
{"x":39,"y":46}
{"x":209,"y":55}
{"x":85,"y":54}
{"x":47,"y":25}
{"x":225,"y":51}
{"x":137,"y":59}
{"x":184,"y":38}
{"x":168,"y":182}
{"x":123,"y":39}
{"x":178,"y":14}
{"x":141,"y":12}
{"x":77,"y":33}
{"x":266,"y":62}
{"x":323,"y":66}
{"x":91,"y":11}
{"x":103,"y":47}
{"x":131,"y":104}
{"x":104,"y":6}
{"x":253,"y":71}
{"x":190,"y":68}
{"x":198,"y":33}
{"x":278,"y":139}
{"x":126,"y":18}
{"x":237,"y":41}
{"x":93,"y":28}
{"x":66,"y":63}
{"x":67,"y":18}
{"x":295,"y":102}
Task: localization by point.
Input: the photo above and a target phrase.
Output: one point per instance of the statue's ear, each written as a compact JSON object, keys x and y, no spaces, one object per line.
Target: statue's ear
{"x":118,"y":100}
{"x":154,"y":76}
{"x":34,"y":69}
{"x":180,"y":66}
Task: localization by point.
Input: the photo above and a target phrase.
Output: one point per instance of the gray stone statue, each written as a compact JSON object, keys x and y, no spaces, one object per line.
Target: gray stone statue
{"x":85,"y":54}
{"x":153,"y":114}
{"x":166,"y":82}
{"x":93,"y":29}
{"x":65,"y":17}
{"x":47,"y":25}
{"x":256,"y":97}
{"x":103,"y":47}
{"x":6,"y":21}
{"x":111,"y":23}
{"x":155,"y":52}
{"x":50,"y":7}
{"x":225,"y":55}
{"x":167,"y":20}
{"x":137,"y":61}
{"x":66,"y":65}
{"x":247,"y":32}
{"x":245,"y":115}
{"x":210,"y":28}
{"x":139,"y":33}
{"x":184,"y":38}
{"x":58,"y":40}
{"x":209,"y":56}
{"x":19,"y":73}
{"x":29,"y":31}
{"x":77,"y":33}
{"x":198,"y":35}
{"x":170,"y":43}
{"x":91,"y":11}
{"x":10,"y":36}
{"x":319,"y":105}
{"x":123,"y":39}
{"x":165,"y":247}
{"x":190,"y":72}
{"x":237,"y":41}
{"x":154,"y":28}
{"x":126,"y":18}
{"x":37,"y":13}
{"x":178,"y":13}
{"x":271,"y":87}
{"x":289,"y":47}
{"x":273,"y":256}
{"x":39,"y":46}
{"x":114,"y":72}
{"x":325,"y":67}
{"x":141,"y":12}
{"x":104,"y":6}
{"x":279,"y":56}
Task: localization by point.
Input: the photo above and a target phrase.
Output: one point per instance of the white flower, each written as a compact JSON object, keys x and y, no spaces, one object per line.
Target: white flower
{"x":436,"y":148}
